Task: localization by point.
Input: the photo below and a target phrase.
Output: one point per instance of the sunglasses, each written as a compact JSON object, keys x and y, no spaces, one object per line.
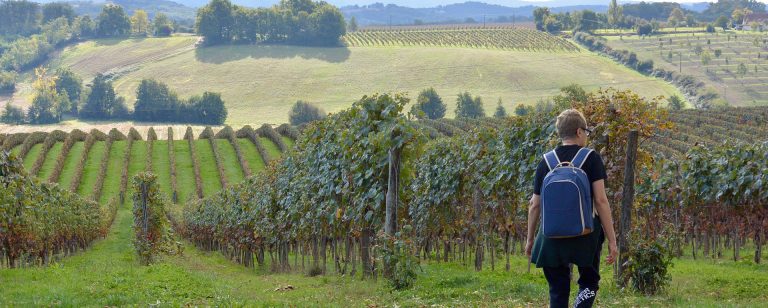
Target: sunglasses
{"x":589,"y":131}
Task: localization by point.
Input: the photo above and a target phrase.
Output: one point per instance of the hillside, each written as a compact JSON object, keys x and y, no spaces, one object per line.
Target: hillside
{"x":260,"y":83}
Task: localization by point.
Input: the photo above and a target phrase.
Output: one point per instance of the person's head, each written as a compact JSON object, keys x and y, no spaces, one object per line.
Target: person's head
{"x":572,"y":127}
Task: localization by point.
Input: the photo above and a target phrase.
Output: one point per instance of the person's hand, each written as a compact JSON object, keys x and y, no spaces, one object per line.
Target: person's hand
{"x":613,"y":253}
{"x":528,"y":248}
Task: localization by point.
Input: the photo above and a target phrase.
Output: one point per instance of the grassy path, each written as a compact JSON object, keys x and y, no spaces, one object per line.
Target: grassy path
{"x":208,"y":171}
{"x":91,"y":169}
{"x":161,"y":166}
{"x":255,"y":161}
{"x":185,"y":174}
{"x":50,"y":161}
{"x":272,"y":150}
{"x":32,"y":155}
{"x":288,"y":141}
{"x":232,"y":167}
{"x":114,"y":168}
{"x":70,"y":164}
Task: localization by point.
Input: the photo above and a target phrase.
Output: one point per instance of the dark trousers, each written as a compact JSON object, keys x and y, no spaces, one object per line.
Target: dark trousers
{"x":559,"y":279}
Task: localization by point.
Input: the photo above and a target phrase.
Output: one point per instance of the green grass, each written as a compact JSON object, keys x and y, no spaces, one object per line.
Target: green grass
{"x":272,"y":150}
{"x":70,"y":164}
{"x":288,"y":141}
{"x":32,"y":155}
{"x":137,"y":165}
{"x":111,"y":187}
{"x":232,"y":167}
{"x":259,"y":83}
{"x":185,"y":174}
{"x":108,"y":274}
{"x":208,"y":171}
{"x":16,"y":150}
{"x":50,"y":161}
{"x":255,"y":161}
{"x":91,"y":169}
{"x":161,"y":166}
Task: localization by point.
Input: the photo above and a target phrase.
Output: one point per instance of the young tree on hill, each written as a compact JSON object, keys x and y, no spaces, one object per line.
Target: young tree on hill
{"x":352,"y":27}
{"x":47,"y":103}
{"x":102,"y":100}
{"x":140,"y":23}
{"x":214,"y":22}
{"x":162,"y":25}
{"x":303,"y":112}
{"x":113,"y":22}
{"x":208,"y":109}
{"x":12,"y":115}
{"x":614,"y":14}
{"x":55,"y":10}
{"x":467,"y":107}
{"x":540,"y":14}
{"x":675,"y":103}
{"x":69,"y":83}
{"x":430,"y":103}
{"x":500,"y":111}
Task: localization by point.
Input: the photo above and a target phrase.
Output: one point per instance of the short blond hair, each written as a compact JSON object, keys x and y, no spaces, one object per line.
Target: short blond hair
{"x":569,"y":122}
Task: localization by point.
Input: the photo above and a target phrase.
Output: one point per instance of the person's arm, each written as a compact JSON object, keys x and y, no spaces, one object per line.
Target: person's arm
{"x":606,"y":219}
{"x":534,"y":212}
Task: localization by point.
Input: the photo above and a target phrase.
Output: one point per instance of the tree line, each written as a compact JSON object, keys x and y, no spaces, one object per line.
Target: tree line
{"x":300,"y":22}
{"x":63,"y":93}
{"x":648,"y":17}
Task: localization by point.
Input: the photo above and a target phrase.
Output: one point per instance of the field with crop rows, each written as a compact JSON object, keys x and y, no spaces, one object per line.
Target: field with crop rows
{"x":713,"y":58}
{"x":494,"y":37}
{"x":78,"y":165}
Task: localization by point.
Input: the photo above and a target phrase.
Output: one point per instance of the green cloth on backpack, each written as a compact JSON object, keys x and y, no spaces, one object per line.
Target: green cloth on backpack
{"x":581,"y":250}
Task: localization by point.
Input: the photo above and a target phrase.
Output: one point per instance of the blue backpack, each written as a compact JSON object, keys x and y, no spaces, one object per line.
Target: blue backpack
{"x":566,"y":197}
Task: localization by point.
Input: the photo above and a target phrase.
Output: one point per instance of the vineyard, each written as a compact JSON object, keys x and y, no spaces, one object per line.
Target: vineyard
{"x":493,"y":37}
{"x":733,"y":65}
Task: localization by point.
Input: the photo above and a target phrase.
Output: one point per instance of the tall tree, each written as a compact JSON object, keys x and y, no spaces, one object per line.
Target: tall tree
{"x":430,"y":103}
{"x":614,"y":13}
{"x":208,"y":109}
{"x":676,"y":17}
{"x":162,"y":25}
{"x":352,"y":27}
{"x":468,"y":107}
{"x":140,"y":22}
{"x":101,"y":101}
{"x":47,"y":103}
{"x":55,"y":10}
{"x":69,"y":83}
{"x":540,"y":14}
{"x":155,"y":102}
{"x":19,"y":17}
{"x":215,"y":21}
{"x":113,"y":22}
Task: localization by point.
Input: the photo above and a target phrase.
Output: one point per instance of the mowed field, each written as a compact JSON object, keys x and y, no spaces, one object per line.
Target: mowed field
{"x":260,"y":83}
{"x":720,"y":74}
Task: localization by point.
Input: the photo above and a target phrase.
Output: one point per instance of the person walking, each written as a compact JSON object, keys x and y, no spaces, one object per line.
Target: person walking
{"x":557,"y":250}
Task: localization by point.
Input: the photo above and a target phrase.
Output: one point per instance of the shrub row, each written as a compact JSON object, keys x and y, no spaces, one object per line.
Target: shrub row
{"x":229,"y":134}
{"x":151,"y":137}
{"x":248,"y":132}
{"x":32,"y":140}
{"x":289,"y":131}
{"x":266,"y":130}
{"x":190,"y":137}
{"x":75,"y":136}
{"x":114,"y":135}
{"x":50,"y":140}
{"x":11,"y":141}
{"x":172,"y":158}
{"x":694,"y":90}
{"x":208,"y":134}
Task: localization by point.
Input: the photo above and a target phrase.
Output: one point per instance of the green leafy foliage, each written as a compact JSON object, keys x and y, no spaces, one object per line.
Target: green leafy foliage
{"x":149,"y":221}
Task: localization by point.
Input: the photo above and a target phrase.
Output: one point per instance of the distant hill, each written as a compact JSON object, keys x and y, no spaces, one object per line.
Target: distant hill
{"x":380,"y":14}
{"x":173,"y":9}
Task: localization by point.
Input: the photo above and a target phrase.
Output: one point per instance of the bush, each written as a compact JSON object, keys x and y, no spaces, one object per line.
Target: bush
{"x":12,"y":115}
{"x":398,"y":254}
{"x":7,"y":82}
{"x":468,"y":107}
{"x":430,"y":104}
{"x":710,"y":28}
{"x":303,"y":112}
{"x":645,"y":29}
{"x":648,"y":267}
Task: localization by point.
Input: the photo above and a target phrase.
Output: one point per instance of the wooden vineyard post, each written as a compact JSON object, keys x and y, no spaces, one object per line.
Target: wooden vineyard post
{"x":628,"y":196}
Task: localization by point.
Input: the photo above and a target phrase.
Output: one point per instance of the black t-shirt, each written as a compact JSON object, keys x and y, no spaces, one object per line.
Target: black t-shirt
{"x":593,"y":166}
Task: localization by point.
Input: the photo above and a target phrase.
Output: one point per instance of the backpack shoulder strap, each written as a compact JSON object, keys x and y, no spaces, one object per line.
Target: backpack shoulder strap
{"x":581,"y":157}
{"x":551,"y":159}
